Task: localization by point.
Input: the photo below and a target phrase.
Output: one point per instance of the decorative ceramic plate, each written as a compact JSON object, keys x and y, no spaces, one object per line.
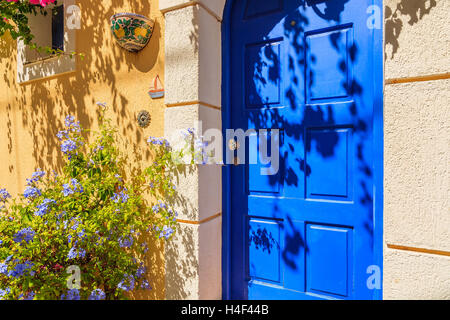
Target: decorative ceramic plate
{"x":132,"y":31}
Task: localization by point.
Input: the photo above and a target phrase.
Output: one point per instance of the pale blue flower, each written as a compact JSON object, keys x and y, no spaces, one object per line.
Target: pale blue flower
{"x":158,"y":141}
{"x":68,"y":146}
{"x":122,"y":196}
{"x":29,"y":296}
{"x":35,"y":177}
{"x":76,"y":223}
{"x":72,"y":187}
{"x":72,"y":294}
{"x":73,"y":253}
{"x":166,"y":232}
{"x":82,"y":253}
{"x":71,"y":124}
{"x":97,"y":294}
{"x":127,"y":283}
{"x":20,"y":269}
{"x":145,"y":285}
{"x":61,"y":135}
{"x":4,"y":292}
{"x":98,"y":148}
{"x":26,"y":234}
{"x":4,"y":268}
{"x":31,"y":192}
{"x":67,"y":190}
{"x":44,"y":207}
{"x":81,"y":234}
{"x":145,"y":246}
{"x":4,"y":195}
{"x":126,"y":243}
{"x":141,"y":271}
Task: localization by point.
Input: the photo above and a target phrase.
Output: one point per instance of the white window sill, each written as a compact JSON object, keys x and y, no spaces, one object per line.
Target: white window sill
{"x":48,"y":66}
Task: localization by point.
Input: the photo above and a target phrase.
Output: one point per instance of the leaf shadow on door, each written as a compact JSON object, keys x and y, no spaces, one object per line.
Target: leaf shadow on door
{"x":294,"y":167}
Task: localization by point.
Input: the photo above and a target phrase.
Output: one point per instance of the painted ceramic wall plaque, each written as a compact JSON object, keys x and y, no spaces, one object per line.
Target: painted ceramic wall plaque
{"x":132,"y":31}
{"x":157,"y":90}
{"x":143,"y":119}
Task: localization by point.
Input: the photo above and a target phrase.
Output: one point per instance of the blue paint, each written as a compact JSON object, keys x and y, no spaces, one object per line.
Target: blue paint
{"x":378,"y":146}
{"x":326,"y":49}
{"x":264,"y":246}
{"x":262,"y":61}
{"x":313,"y":71}
{"x":328,"y":260}
{"x":328,"y":151}
{"x":255,"y":181}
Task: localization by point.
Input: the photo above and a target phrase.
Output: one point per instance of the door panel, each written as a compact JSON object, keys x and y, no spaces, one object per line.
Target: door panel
{"x":305,"y":231}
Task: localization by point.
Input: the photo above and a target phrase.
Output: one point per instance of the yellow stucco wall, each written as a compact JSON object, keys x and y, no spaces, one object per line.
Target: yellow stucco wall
{"x":32,"y":113}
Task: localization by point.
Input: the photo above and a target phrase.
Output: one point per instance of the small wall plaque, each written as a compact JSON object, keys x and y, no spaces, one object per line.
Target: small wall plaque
{"x":143,"y":119}
{"x":157,"y":90}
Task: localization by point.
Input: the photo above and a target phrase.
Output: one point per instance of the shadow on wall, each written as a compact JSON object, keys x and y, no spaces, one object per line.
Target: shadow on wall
{"x":44,"y":103}
{"x":414,"y":10}
{"x":34,"y":112}
{"x":181,"y":252}
{"x":8,"y":50}
{"x":182,"y":264}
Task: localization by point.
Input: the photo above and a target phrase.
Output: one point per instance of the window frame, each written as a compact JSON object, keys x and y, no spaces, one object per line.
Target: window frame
{"x":52,"y":65}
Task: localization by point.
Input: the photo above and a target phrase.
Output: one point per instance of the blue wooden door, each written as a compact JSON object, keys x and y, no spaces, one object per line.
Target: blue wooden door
{"x":306,"y":230}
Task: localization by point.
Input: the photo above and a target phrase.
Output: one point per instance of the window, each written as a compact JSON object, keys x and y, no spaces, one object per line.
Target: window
{"x":58,"y":28}
{"x":49,"y":31}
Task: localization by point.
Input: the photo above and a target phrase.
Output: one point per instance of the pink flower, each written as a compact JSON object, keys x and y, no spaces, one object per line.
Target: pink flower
{"x":41,"y":2}
{"x":58,"y":266}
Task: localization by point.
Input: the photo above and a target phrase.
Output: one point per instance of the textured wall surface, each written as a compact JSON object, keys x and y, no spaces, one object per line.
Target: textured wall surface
{"x":215,"y":6}
{"x":193,"y":95}
{"x":413,"y":275}
{"x":417,"y":150}
{"x":417,"y":37}
{"x":32,"y":113}
{"x":417,"y":186}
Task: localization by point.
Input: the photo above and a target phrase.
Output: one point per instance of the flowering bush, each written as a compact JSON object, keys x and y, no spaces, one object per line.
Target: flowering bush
{"x":90,"y":216}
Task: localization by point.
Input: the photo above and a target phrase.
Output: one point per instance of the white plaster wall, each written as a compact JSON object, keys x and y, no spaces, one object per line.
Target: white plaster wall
{"x":417,"y":150}
{"x":215,"y":5}
{"x":199,"y":187}
{"x":414,"y":275}
{"x":419,"y":34}
{"x":417,"y":157}
{"x":210,"y":267}
{"x":210,"y":58}
{"x":193,"y":93}
{"x":182,"y":55}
